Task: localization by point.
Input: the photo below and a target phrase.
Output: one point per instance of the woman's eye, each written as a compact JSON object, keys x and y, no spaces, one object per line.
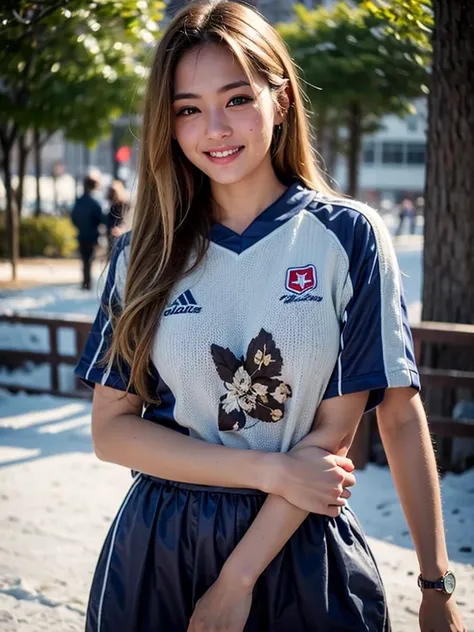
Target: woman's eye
{"x":240,"y":100}
{"x":187,"y":111}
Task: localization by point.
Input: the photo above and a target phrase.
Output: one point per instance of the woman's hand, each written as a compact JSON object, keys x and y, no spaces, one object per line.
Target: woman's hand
{"x":314,"y":480}
{"x":439,"y":613}
{"x":225,"y":607}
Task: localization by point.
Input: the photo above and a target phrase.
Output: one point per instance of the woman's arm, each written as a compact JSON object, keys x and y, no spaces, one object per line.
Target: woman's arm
{"x":407,"y":442}
{"x":335,"y":424}
{"x":121,"y":436}
{"x":227,"y":603}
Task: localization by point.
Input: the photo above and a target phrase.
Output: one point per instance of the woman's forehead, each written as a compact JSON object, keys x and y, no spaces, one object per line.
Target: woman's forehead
{"x":207,"y":68}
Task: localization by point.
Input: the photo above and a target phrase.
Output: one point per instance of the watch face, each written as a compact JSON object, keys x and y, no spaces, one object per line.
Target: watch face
{"x":449,"y":582}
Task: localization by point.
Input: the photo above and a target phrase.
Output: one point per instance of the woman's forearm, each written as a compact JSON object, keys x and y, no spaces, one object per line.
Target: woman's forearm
{"x":145,"y":446}
{"x":273,"y":526}
{"x":406,"y":439}
{"x":334,"y":427}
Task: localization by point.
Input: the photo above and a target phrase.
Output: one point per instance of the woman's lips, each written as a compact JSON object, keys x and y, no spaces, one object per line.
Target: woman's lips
{"x":224,"y":160}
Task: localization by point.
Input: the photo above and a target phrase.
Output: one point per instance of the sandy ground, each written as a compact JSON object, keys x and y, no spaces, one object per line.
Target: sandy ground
{"x":58,"y":502}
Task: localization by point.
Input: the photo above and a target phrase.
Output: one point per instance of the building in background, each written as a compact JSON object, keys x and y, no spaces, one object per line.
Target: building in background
{"x":393,"y":159}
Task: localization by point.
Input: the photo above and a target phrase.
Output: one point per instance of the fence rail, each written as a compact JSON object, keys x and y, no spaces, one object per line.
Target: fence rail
{"x":15,"y":358}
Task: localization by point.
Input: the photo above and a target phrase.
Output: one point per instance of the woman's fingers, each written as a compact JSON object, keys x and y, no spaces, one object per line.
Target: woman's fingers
{"x":345,"y":463}
{"x":333,"y":511}
{"x":349,"y":480}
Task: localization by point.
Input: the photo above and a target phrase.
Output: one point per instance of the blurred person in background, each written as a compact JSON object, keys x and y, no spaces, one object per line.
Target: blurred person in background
{"x":87,"y":216}
{"x":119,"y":204}
{"x":406,"y":211}
{"x":420,"y":206}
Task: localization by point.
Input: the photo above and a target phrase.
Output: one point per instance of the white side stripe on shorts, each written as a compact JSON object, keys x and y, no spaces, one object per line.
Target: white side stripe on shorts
{"x":112,"y":542}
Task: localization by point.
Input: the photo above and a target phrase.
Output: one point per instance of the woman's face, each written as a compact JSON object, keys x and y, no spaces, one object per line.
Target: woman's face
{"x":221,"y":125}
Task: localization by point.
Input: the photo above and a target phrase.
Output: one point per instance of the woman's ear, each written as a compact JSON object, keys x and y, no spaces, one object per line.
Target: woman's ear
{"x":283,"y":103}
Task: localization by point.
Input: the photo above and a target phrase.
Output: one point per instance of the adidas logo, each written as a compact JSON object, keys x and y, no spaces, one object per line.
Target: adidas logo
{"x":184,"y":304}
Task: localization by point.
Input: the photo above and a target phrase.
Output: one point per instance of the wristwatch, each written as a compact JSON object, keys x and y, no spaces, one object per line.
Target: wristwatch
{"x":446,"y":584}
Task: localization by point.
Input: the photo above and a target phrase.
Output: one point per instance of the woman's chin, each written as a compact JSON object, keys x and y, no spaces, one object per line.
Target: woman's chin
{"x":227,"y":176}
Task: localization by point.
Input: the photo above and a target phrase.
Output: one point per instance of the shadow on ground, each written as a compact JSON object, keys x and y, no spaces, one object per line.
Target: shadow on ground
{"x":33,"y":428}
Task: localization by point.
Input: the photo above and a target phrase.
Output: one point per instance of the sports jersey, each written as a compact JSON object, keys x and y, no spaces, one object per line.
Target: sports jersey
{"x":305,"y":304}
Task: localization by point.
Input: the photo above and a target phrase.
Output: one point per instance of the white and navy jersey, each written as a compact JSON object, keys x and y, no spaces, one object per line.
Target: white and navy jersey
{"x":304,"y":305}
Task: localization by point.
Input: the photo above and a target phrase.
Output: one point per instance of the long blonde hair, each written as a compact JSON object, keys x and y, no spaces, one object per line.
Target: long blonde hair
{"x":173,"y":211}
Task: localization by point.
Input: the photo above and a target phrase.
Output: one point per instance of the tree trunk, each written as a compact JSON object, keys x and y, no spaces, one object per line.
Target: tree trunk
{"x":448,"y":289}
{"x":448,"y":286}
{"x":11,"y":210}
{"x":37,"y":152}
{"x":354,"y":148}
{"x":23,"y":151}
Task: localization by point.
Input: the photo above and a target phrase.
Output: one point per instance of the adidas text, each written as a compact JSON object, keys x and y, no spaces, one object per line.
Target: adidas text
{"x":189,"y":309}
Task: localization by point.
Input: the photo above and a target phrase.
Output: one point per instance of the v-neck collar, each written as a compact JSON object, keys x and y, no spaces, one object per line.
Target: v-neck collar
{"x":295,"y":198}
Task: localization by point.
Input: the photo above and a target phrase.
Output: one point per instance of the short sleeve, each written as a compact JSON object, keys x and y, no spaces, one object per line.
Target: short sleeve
{"x":376,"y":347}
{"x":91,"y":368}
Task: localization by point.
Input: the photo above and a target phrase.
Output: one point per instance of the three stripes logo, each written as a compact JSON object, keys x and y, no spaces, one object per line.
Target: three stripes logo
{"x":184,"y":304}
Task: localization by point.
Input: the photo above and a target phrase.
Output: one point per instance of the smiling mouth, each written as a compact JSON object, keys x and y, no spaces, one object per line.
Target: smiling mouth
{"x":225,"y":153}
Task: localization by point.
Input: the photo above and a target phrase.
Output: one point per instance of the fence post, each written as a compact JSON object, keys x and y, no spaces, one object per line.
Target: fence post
{"x":53,"y":345}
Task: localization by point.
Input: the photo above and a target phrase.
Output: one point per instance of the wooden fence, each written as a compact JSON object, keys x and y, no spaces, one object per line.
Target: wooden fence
{"x":438,"y":333}
{"x":443,"y":333}
{"x":12,"y":358}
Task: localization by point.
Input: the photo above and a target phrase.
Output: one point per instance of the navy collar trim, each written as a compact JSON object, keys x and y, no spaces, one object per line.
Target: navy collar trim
{"x":293,"y":200}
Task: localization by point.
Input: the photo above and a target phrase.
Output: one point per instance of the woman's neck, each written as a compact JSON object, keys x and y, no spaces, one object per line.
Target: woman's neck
{"x":238,"y":204}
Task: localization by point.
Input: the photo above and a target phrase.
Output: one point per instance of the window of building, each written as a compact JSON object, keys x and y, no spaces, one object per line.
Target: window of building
{"x":368,"y":152}
{"x":392,"y":153}
{"x":416,"y":153}
{"x":412,"y":123}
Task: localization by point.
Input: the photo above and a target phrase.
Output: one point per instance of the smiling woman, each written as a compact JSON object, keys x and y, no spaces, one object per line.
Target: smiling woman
{"x":219,"y":123}
{"x":248,"y":320}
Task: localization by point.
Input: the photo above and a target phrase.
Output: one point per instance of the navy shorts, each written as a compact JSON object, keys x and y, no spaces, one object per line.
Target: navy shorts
{"x":169,"y":541}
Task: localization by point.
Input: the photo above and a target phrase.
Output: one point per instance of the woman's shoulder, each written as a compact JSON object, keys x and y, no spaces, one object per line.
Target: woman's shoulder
{"x":331,"y":206}
{"x":351,"y":222}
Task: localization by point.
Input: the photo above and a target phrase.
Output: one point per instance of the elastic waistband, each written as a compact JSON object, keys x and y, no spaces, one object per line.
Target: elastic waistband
{"x":193,"y":487}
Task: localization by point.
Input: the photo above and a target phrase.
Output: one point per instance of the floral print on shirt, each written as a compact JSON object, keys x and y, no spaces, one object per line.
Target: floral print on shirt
{"x":254,"y":385}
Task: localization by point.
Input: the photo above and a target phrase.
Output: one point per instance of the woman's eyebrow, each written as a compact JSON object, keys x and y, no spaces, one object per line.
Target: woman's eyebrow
{"x":228,"y":86}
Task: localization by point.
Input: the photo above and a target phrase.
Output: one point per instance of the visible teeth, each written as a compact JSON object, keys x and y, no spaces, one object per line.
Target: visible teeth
{"x":223,"y":154}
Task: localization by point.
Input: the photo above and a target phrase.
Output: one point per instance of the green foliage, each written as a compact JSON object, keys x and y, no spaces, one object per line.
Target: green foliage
{"x":74,"y":65}
{"x":374,"y":54}
{"x":361,"y":63}
{"x":43,"y":236}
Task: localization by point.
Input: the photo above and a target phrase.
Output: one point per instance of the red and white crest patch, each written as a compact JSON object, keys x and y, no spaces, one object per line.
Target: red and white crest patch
{"x":300,"y":280}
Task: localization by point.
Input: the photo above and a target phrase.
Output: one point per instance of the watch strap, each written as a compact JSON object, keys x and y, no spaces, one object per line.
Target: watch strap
{"x":437,"y":585}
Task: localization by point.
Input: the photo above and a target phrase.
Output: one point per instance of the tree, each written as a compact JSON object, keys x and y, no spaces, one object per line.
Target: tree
{"x":448,"y":280}
{"x":362,"y":64}
{"x":448,"y":289}
{"x":70,"y":65}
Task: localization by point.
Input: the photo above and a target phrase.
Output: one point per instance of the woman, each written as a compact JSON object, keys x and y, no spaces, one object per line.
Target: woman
{"x":250,"y":317}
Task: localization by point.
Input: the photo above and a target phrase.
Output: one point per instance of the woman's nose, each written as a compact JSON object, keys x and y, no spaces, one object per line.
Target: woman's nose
{"x":218,"y":126}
